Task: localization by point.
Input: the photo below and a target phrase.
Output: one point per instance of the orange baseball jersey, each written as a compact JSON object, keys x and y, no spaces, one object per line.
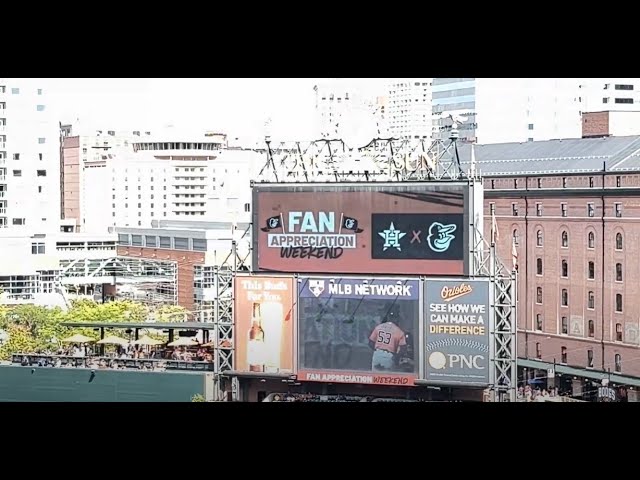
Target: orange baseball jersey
{"x":388,"y":337}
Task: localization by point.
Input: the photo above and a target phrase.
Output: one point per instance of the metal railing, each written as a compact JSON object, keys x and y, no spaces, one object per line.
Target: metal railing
{"x":35,"y":359}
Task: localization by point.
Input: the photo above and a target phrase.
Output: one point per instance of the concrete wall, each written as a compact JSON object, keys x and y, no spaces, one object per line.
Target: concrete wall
{"x":33,"y":384}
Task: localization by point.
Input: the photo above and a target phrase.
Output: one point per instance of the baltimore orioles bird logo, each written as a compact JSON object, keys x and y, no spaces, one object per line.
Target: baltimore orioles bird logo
{"x":440,"y":236}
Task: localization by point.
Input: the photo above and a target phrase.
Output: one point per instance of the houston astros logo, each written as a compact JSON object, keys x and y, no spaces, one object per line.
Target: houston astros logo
{"x":440,"y":236}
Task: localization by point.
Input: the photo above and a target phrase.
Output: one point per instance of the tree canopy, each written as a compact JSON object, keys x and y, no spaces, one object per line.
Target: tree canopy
{"x":30,"y":328}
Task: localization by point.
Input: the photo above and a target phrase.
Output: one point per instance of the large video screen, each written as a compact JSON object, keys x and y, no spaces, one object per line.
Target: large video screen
{"x":392,"y":230}
{"x":358,"y":330}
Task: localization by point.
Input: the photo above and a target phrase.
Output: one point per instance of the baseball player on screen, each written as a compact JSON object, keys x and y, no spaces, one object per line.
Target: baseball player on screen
{"x":388,"y":341}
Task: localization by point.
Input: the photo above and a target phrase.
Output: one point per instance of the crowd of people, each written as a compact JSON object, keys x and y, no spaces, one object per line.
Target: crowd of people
{"x":529,"y":394}
{"x":313,"y":397}
{"x":120,"y":358}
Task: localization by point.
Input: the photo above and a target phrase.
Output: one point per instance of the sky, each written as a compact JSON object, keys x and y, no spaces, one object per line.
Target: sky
{"x":238,"y":107}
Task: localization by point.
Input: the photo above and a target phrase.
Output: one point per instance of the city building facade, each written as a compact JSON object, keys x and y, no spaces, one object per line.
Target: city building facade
{"x":81,"y":153}
{"x":354,"y":110}
{"x":566,"y":213}
{"x":409,"y":111}
{"x":498,"y":110}
{"x":42,"y":267}
{"x":171,"y":176}
{"x":29,"y":153}
{"x":197,"y":248}
{"x":616,"y":94}
{"x":607,"y":123}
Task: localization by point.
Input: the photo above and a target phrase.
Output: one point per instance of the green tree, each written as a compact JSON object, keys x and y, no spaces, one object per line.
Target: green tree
{"x":170,"y":313}
{"x":33,"y":328}
{"x":20,"y":341}
{"x":43,"y":325}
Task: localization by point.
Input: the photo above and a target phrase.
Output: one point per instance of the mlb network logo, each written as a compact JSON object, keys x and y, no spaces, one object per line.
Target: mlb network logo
{"x":316,"y":287}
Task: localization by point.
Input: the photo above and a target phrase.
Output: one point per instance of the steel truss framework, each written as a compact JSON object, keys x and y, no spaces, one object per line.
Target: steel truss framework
{"x":157,"y":278}
{"x":384,"y":160}
{"x":220,"y":312}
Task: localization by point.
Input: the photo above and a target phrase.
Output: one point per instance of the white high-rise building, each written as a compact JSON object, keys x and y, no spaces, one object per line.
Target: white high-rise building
{"x":334,"y":98}
{"x":350,"y":109}
{"x":499,"y":110}
{"x":29,"y":158}
{"x":84,"y":151}
{"x":173,"y":177}
{"x":409,"y":107}
{"x":610,"y":94}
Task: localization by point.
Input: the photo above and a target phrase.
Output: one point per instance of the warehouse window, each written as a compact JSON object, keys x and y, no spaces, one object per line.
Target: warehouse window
{"x":539,"y":322}
{"x":618,"y":210}
{"x":538,"y":266}
{"x":591,"y":329}
{"x":618,"y":363}
{"x":591,"y":242}
{"x":589,"y":358}
{"x":151,"y":241}
{"x":539,"y":239}
{"x":618,"y":332}
{"x":563,"y":354}
{"x":181,"y":243}
{"x":564,"y":269}
{"x":538,"y":351}
{"x":165,"y":242}
{"x":37,"y":248}
{"x":516,"y":238}
{"x":591,"y":210}
{"x":618,"y":272}
{"x":618,"y":241}
{"x":539,"y":295}
{"x":591,"y":301}
{"x":565,"y":326}
{"x":618,"y":302}
{"x":565,"y":297}
{"x":591,"y":271}
{"x":200,"y":244}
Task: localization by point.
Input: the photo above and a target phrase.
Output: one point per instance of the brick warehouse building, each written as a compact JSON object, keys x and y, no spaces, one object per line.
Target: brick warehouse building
{"x":572,"y":208}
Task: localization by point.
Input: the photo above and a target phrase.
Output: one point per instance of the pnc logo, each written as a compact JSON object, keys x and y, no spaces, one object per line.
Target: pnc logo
{"x":441,"y":361}
{"x":452,"y":293}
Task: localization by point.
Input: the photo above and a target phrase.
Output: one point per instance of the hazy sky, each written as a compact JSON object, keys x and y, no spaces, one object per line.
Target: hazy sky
{"x":234,"y":106}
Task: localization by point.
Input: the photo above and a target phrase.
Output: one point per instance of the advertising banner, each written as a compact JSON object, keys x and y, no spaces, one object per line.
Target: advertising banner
{"x":263,"y":335}
{"x":404,"y":230}
{"x":358,"y":330}
{"x":457,"y":316}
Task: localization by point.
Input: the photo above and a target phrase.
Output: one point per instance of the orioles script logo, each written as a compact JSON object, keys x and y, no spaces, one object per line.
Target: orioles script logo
{"x":451,"y":293}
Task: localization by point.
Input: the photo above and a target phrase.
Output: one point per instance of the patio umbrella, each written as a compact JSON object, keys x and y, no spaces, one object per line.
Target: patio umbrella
{"x":112,"y":340}
{"x":78,"y":338}
{"x":147,"y":341}
{"x":184,"y":342}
